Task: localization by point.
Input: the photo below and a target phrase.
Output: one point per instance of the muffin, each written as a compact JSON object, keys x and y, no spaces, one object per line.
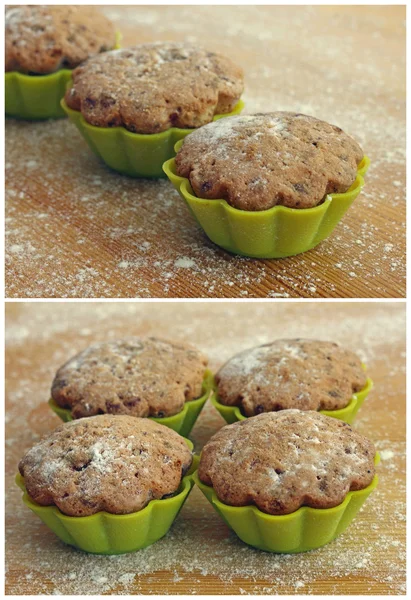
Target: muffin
{"x":139,"y":377}
{"x":43,"y":39}
{"x":42,"y":45}
{"x":282,"y":461}
{"x":255,"y":162}
{"x":152,"y":87}
{"x":105,"y":463}
{"x":123,"y":476}
{"x":288,"y":481}
{"x":166,"y":89}
{"x":290,"y":373}
{"x":252,"y":168}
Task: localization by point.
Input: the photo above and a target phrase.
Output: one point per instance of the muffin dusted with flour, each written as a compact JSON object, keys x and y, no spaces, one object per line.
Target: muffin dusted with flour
{"x":282,"y":461}
{"x":296,"y":373}
{"x":255,"y":162}
{"x":152,"y":87}
{"x":105,"y":463}
{"x":44,"y":39}
{"x":140,"y":377}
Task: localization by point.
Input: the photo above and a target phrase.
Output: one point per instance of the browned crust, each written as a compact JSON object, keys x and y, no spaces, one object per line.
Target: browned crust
{"x":282,"y":461}
{"x":105,"y":463}
{"x":140,"y":377}
{"x":303,"y":374}
{"x":44,"y":39}
{"x":152,"y":87}
{"x":255,"y":162}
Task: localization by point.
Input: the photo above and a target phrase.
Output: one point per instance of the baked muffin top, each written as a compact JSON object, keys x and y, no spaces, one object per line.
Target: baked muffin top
{"x":152,"y":87}
{"x":141,"y":377}
{"x":281,"y":461}
{"x":44,"y":39}
{"x":255,"y":162}
{"x":303,"y":374}
{"x":105,"y":463}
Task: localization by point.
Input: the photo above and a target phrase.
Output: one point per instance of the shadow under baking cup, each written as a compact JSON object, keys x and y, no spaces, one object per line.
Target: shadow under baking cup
{"x":105,"y":533}
{"x":38,"y":97}
{"x":231,"y":414}
{"x":133,"y":154}
{"x":303,"y":530}
{"x":274,"y":233}
{"x":182,"y":422}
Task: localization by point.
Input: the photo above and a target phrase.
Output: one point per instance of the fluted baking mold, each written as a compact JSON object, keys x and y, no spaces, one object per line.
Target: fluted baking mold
{"x":274,"y":233}
{"x":105,"y":533}
{"x":133,"y":154}
{"x":305,"y":529}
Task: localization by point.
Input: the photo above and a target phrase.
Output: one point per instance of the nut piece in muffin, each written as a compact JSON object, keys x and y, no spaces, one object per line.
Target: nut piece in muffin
{"x":140,"y":377}
{"x":255,"y":162}
{"x":150,"y":88}
{"x":303,"y":374}
{"x":44,"y":39}
{"x":105,"y":463}
{"x":282,"y":461}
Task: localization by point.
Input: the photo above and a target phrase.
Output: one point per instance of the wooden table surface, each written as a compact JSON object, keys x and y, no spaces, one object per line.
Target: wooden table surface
{"x":200,"y":555}
{"x":76,"y":229}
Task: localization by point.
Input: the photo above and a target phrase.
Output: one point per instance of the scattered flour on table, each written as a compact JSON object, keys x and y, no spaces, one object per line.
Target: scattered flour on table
{"x":386,"y":454}
{"x":187,"y":554}
{"x":184,"y":263}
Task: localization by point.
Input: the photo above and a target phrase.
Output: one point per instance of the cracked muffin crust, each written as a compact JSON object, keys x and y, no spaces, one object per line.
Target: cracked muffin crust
{"x":44,"y":39}
{"x":140,"y":377}
{"x":302,"y":374}
{"x":105,"y":463}
{"x":255,"y":162}
{"x":151,"y":87}
{"x":282,"y":461}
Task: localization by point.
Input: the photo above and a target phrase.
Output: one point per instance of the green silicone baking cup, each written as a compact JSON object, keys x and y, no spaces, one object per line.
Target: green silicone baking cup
{"x":305,"y":529}
{"x":231,"y":414}
{"x":37,"y":97}
{"x":274,"y":233}
{"x":182,"y":422}
{"x":105,"y":533}
{"x":133,"y":154}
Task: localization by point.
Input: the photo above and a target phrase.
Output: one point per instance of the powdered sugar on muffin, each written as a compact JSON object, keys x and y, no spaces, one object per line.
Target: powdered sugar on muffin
{"x":282,"y":461}
{"x":255,"y":162}
{"x":303,"y":374}
{"x":152,"y":87}
{"x":44,"y":39}
{"x":105,"y":463}
{"x":141,"y":377}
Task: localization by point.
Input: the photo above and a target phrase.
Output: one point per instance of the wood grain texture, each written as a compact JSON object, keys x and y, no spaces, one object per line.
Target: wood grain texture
{"x":200,"y":555}
{"x":76,"y":229}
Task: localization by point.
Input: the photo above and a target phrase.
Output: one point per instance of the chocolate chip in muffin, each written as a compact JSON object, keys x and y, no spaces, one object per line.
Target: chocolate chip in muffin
{"x":141,"y":377}
{"x":282,"y":461}
{"x":255,"y":162}
{"x":44,"y":39}
{"x":106,"y":463}
{"x":152,"y":87}
{"x":303,"y":374}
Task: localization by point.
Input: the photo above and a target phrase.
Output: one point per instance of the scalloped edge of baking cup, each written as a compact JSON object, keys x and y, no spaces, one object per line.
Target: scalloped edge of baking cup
{"x":182,"y":422}
{"x":134,"y":154}
{"x":274,"y":233}
{"x":303,"y":530}
{"x":231,"y":414}
{"x":105,"y":533}
{"x":38,"y":97}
